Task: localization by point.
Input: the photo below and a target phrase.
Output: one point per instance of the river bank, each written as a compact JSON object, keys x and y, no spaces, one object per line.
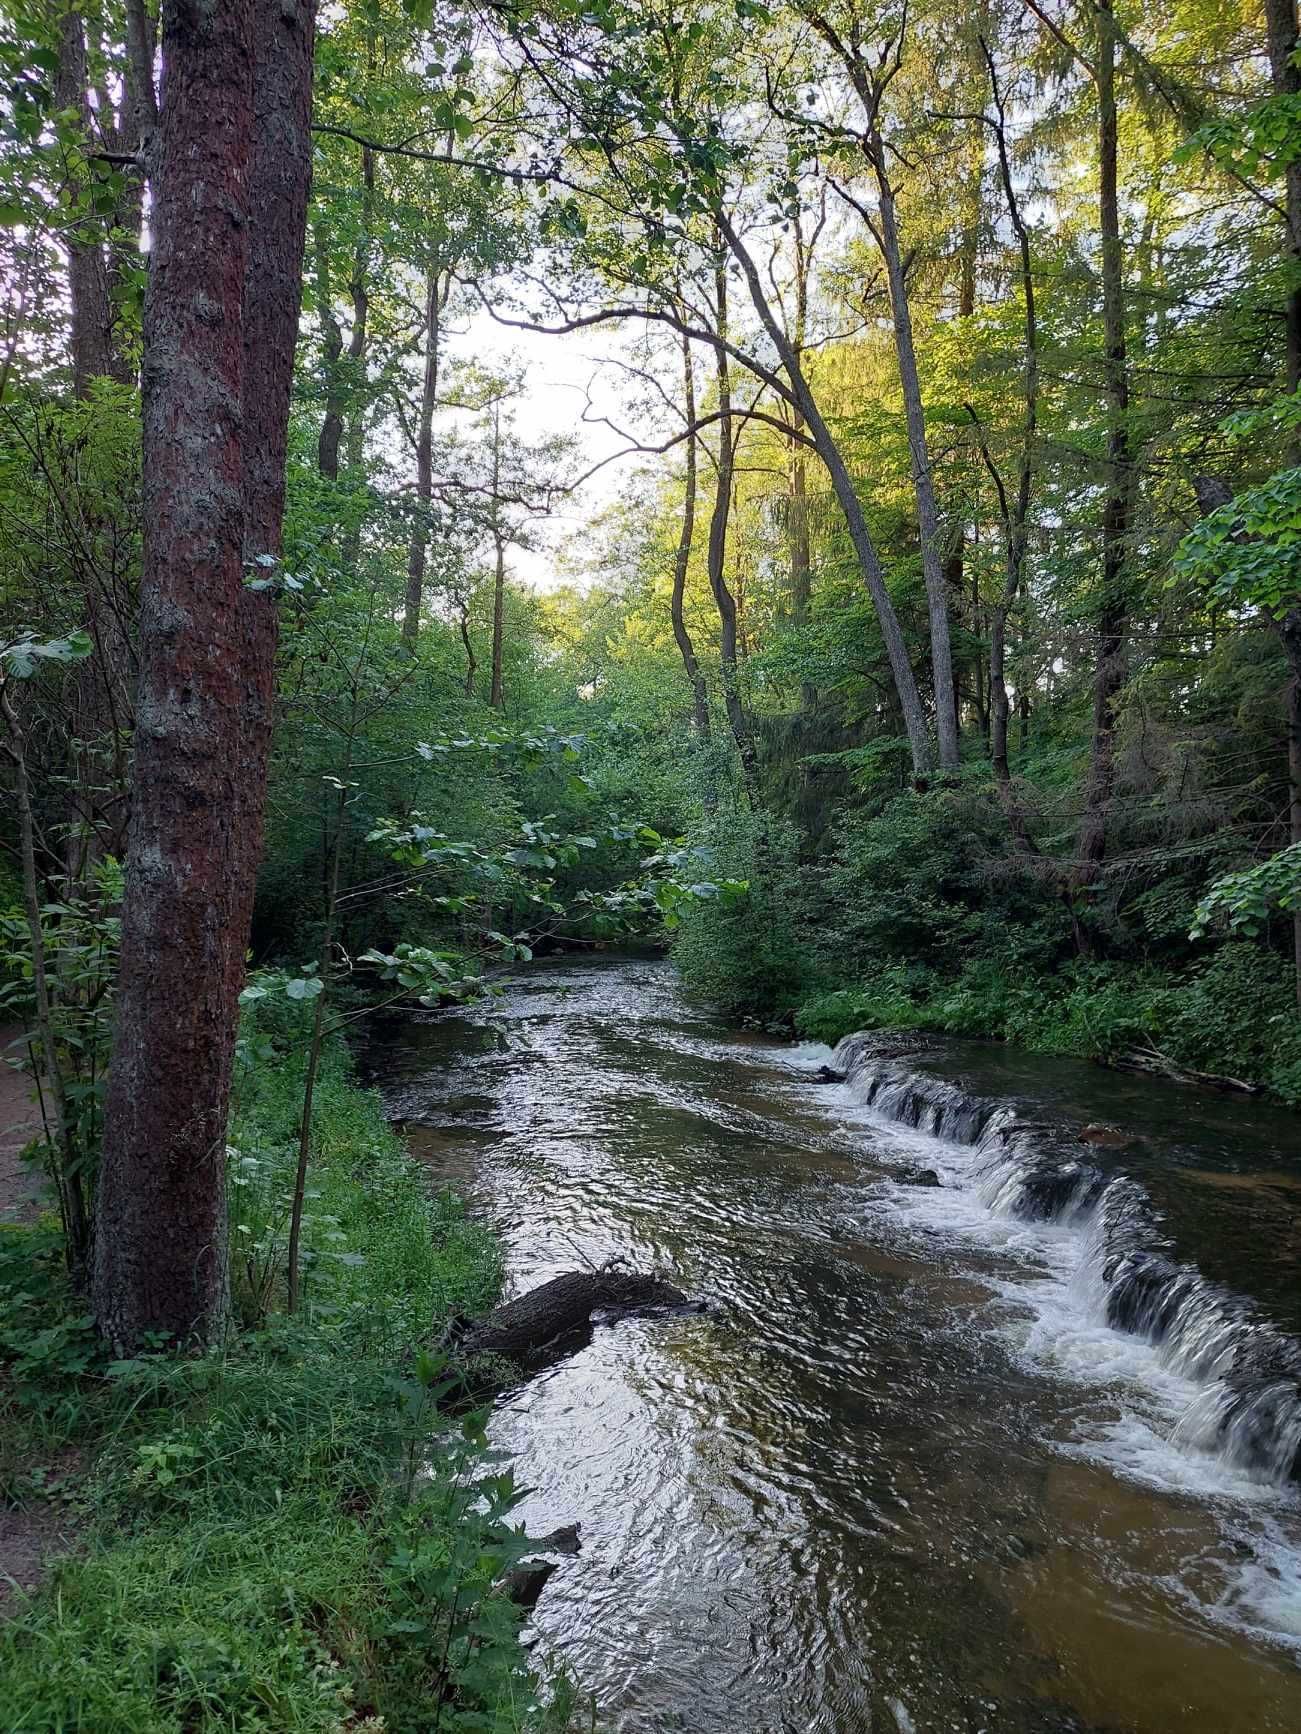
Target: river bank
{"x":897,"y":1471}
{"x":287,"y":1531}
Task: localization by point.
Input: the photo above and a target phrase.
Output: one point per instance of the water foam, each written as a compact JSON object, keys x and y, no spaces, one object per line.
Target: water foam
{"x":1240,"y":1377}
{"x":1202,"y":1394}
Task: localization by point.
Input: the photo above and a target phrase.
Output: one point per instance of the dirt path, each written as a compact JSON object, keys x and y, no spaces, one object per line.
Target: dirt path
{"x":31,"y":1530}
{"x":19,"y":1122}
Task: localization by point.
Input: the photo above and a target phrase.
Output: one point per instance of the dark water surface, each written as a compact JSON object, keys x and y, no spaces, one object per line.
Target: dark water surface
{"x":903,"y":1477}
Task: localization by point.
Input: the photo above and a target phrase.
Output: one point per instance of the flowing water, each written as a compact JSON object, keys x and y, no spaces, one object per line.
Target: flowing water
{"x":1013,"y":1453}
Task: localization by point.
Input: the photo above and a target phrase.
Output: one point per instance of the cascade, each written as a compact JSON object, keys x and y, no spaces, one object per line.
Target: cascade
{"x":1249,"y":1409}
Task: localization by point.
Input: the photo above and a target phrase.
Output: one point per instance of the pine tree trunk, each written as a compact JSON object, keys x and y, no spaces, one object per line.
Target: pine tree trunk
{"x":229,"y":207}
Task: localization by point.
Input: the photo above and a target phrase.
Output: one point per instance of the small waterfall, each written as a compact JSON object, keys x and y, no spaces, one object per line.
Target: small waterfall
{"x":1250,"y":1410}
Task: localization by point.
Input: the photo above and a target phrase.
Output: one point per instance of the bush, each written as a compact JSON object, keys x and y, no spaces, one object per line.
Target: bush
{"x":378,"y":1252}
{"x":750,"y":956}
{"x":1238,"y":1015}
{"x":1234,"y":1016}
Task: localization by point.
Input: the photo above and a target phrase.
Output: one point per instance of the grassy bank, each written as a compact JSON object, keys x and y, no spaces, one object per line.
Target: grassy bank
{"x":1234,"y":1017}
{"x":911,"y":921}
{"x":290,"y":1532}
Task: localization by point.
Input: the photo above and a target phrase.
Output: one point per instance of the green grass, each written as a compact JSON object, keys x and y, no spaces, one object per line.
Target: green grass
{"x":294,"y":1531}
{"x":1235,"y":1015}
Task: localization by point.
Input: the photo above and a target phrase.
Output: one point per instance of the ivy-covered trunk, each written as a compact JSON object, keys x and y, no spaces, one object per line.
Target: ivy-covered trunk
{"x":229,"y":203}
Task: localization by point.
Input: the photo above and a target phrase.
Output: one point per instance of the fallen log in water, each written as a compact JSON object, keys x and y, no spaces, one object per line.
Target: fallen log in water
{"x":1156,"y":1064}
{"x":553,"y":1319}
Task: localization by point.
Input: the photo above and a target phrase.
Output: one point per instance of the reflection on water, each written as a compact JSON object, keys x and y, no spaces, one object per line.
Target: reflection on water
{"x":896,"y":1479}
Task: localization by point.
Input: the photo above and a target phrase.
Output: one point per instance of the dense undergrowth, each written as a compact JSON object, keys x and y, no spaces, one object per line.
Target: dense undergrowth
{"x":915,"y":918}
{"x":302,"y":1528}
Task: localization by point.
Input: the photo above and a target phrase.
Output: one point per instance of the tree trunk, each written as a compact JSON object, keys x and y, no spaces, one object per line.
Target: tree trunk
{"x":1113,"y":615}
{"x":937,"y":606}
{"x":1294,"y":805}
{"x":496,"y":697}
{"x":69,"y":1178}
{"x":1016,"y":514}
{"x":896,"y":647}
{"x":800,"y":551}
{"x":341,"y":376}
{"x":471,"y":661}
{"x":228,"y":218}
{"x":682,"y":559}
{"x":281,"y":179}
{"x":88,"y":299}
{"x":1281,"y":28}
{"x":327,"y":446}
{"x":424,"y":458}
{"x":724,"y":600}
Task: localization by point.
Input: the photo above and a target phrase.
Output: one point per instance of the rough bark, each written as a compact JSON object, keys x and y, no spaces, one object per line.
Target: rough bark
{"x":140,"y":55}
{"x":434,"y":301}
{"x":682,"y":558}
{"x":545,"y":1322}
{"x":228,"y":221}
{"x":281,"y":177}
{"x":724,"y":601}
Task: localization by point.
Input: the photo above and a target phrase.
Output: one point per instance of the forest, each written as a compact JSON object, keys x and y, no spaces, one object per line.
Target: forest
{"x":807,"y":487}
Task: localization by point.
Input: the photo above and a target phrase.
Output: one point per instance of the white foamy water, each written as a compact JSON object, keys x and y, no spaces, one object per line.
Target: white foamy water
{"x":1150,"y":1413}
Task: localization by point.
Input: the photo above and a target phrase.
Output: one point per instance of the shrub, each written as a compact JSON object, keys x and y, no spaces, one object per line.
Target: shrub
{"x":750,"y":956}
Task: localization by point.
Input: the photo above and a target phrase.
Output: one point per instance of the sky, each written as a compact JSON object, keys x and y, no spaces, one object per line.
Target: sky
{"x":561,"y":374}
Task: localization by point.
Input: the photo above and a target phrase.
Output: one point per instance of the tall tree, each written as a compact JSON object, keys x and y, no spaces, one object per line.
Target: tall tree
{"x":682,"y":556}
{"x":870,"y":81}
{"x":228,"y":220}
{"x":724,"y":600}
{"x":437,"y":288}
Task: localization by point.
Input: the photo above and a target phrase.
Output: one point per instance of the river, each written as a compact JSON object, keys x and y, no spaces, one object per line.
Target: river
{"x":904,"y":1477}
